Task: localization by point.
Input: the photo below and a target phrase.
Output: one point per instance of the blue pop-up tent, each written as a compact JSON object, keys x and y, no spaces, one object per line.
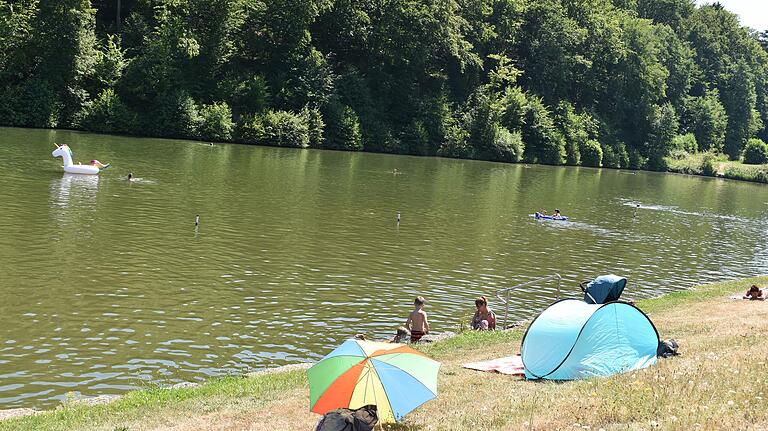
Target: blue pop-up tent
{"x":575,"y":340}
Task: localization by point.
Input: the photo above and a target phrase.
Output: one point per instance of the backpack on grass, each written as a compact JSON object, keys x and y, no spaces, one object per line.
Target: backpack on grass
{"x":362,"y":419}
{"x":667,"y":348}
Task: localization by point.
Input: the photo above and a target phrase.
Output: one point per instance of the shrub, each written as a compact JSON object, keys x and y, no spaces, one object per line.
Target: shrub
{"x":342,"y":128}
{"x":315,"y":125}
{"x":513,"y":106}
{"x":678,"y":154}
{"x":591,"y":153}
{"x":107,"y":114}
{"x":215,"y":122}
{"x":636,"y":159}
{"x":172,"y":114}
{"x":251,"y":96}
{"x":758,"y":174}
{"x":708,"y":164}
{"x":615,"y":155}
{"x":508,"y":146}
{"x":755,"y":152}
{"x":276,"y":128}
{"x":543,"y":142}
{"x":284,"y":129}
{"x":415,"y":138}
{"x":685,"y":143}
{"x":694,"y":164}
{"x":456,"y":142}
{"x":31,"y":104}
{"x":250,"y":130}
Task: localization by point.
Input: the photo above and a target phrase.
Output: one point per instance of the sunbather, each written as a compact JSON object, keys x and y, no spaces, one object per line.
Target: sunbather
{"x":754,"y":293}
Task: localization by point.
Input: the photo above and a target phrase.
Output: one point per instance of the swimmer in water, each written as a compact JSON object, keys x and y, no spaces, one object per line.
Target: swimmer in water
{"x":130,"y":176}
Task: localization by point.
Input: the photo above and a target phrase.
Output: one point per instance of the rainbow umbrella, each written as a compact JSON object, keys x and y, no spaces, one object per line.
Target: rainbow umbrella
{"x":394,"y":377}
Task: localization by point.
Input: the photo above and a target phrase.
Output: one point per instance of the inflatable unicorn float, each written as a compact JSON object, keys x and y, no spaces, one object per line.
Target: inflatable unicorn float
{"x":70,"y":167}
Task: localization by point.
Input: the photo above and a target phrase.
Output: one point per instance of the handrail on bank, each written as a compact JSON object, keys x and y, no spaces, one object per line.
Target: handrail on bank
{"x":505,"y":292}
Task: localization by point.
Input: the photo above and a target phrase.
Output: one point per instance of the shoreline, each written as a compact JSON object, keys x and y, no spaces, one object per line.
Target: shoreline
{"x":258,"y":398}
{"x":730,"y":170}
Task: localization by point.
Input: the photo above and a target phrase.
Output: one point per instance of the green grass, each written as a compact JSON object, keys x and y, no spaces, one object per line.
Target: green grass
{"x":147,"y":402}
{"x":677,"y":299}
{"x":709,"y":165}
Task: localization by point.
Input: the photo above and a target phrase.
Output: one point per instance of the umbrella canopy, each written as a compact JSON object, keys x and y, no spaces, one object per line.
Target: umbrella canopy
{"x":394,"y":377}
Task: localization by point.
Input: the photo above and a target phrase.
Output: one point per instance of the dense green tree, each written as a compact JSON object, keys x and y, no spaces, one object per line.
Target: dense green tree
{"x":664,"y":126}
{"x":543,"y":142}
{"x":706,"y":119}
{"x":739,"y":99}
{"x":614,"y":83}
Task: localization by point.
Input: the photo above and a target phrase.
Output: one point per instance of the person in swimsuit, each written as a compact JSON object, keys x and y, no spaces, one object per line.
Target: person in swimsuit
{"x":417,"y":321}
{"x":484,"y":319}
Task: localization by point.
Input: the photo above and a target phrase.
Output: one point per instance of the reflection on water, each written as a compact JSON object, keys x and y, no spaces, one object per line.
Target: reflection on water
{"x":108,"y":285}
{"x":74,"y":190}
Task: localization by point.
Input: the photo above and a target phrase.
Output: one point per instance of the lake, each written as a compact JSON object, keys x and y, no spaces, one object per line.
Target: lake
{"x":107,"y":285}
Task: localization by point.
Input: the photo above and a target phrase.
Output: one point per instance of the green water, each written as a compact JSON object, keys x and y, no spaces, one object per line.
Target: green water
{"x":106,"y":285}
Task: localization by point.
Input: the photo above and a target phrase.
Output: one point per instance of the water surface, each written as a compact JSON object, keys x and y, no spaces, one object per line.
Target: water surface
{"x":106,"y":285}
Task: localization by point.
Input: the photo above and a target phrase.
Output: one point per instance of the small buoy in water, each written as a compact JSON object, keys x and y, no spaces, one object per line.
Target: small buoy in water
{"x":398,"y":217}
{"x":197,"y":220}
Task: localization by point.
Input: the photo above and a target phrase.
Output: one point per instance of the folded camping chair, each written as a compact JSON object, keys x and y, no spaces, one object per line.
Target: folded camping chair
{"x":603,"y":289}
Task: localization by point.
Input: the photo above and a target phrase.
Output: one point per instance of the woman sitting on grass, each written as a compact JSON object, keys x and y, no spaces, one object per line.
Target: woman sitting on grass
{"x":484,"y":319}
{"x":754,"y":293}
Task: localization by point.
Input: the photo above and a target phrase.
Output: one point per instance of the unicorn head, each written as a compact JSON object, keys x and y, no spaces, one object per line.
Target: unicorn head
{"x":64,"y":152}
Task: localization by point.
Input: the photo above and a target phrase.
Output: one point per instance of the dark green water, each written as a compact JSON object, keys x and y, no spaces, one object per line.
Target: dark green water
{"x":106,"y":286}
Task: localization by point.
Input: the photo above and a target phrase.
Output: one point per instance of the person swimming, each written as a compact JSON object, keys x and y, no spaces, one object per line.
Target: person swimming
{"x":130,"y":176}
{"x":557,"y":214}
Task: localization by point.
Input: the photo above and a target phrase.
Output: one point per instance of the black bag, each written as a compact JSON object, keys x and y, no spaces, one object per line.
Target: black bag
{"x":667,"y":348}
{"x":362,"y":419}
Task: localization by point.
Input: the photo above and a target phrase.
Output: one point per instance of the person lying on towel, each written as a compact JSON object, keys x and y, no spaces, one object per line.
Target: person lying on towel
{"x":754,"y":293}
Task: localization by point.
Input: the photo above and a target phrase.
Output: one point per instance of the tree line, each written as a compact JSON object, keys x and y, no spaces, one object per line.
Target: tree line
{"x":616,"y":83}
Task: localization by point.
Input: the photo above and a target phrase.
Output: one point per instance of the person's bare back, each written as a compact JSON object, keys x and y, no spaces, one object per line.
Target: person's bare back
{"x":417,"y":321}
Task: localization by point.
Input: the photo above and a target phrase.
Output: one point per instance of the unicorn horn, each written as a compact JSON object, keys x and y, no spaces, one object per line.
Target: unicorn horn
{"x":57,"y":145}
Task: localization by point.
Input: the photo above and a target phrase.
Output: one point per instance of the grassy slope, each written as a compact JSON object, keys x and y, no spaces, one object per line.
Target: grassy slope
{"x":710,"y":386}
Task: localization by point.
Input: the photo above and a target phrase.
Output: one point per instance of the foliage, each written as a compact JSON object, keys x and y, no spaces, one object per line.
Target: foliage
{"x":342,"y":129}
{"x":508,"y":146}
{"x":686,"y":143}
{"x":756,"y":152}
{"x":591,"y":153}
{"x":275,"y":128}
{"x":107,"y":114}
{"x":544,"y":143}
{"x":455,"y":78}
{"x":739,"y":101}
{"x":756,"y":174}
{"x":315,"y":126}
{"x":215,"y":123}
{"x":707,"y":120}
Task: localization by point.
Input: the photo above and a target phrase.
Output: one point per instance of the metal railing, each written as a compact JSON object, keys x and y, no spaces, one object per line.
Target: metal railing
{"x":505,"y":292}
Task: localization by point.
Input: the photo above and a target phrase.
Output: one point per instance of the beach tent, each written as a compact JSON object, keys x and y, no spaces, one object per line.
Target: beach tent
{"x":575,"y":340}
{"x":603,"y":289}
